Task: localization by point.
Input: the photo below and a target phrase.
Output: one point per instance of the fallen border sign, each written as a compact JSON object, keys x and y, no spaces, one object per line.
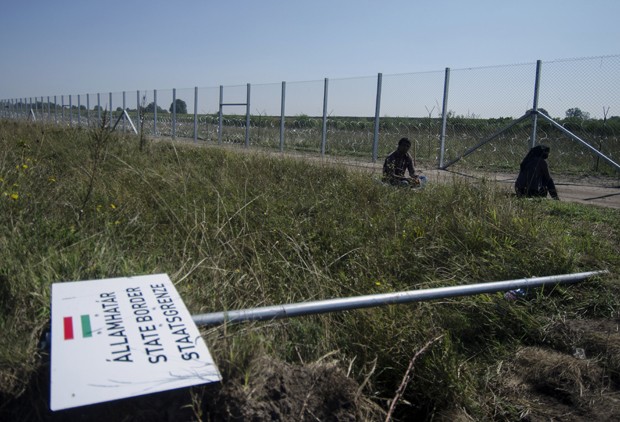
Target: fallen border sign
{"x":123,"y":337}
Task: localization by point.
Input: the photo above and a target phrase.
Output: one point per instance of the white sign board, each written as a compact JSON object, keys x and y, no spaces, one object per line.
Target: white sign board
{"x":123,"y":337}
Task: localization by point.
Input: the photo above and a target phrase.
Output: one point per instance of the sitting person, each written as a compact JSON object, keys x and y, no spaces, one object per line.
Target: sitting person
{"x":534,"y":179}
{"x":397,"y":163}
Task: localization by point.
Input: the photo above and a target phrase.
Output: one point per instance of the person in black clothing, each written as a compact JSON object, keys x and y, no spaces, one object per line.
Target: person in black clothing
{"x":534,"y":179}
{"x":397,"y":163}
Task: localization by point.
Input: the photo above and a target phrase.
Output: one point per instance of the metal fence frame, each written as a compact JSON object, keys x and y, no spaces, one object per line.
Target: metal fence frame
{"x":24,"y":107}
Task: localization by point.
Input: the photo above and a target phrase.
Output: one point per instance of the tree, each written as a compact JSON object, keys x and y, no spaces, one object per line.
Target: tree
{"x":151,"y":108}
{"x":181,"y":106}
{"x":576,"y":113}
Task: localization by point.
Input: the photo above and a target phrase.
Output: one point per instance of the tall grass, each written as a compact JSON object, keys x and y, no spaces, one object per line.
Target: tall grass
{"x":238,"y":230}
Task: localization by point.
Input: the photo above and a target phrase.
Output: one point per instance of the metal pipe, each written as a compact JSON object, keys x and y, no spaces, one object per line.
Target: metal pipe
{"x":444,"y":117}
{"x":124,"y":113}
{"x":219,"y":120}
{"x":535,"y":105}
{"x":578,"y":139}
{"x":488,"y":139}
{"x":375,"y":140}
{"x":196,"y":114}
{"x":138,"y":112}
{"x":343,"y":304}
{"x":174,"y":113}
{"x":154,"y":112}
{"x":324,"y":131}
{"x":282,"y":115}
{"x":247,"y":117}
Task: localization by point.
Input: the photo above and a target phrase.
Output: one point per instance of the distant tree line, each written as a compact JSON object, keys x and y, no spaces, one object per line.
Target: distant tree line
{"x":181,"y":107}
{"x":574,"y":119}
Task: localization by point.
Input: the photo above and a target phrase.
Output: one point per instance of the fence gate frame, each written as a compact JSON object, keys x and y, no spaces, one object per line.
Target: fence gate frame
{"x":247,"y":115}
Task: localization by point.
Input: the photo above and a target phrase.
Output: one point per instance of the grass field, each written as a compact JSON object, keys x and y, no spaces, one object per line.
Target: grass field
{"x":243,"y":230}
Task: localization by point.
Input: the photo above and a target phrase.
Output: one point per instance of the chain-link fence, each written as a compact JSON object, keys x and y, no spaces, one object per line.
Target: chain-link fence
{"x":459,"y":118}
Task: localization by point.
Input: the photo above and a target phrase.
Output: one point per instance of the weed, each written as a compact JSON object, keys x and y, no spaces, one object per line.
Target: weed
{"x":239,"y":231}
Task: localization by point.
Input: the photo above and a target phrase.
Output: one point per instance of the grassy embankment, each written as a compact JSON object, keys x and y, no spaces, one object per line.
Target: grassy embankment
{"x":236,"y":230}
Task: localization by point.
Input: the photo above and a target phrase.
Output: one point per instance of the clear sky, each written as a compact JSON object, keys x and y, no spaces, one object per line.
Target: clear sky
{"x":72,"y":47}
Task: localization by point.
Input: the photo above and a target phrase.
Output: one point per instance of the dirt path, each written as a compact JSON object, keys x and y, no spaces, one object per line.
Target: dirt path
{"x":601,"y":191}
{"x":604,"y":192}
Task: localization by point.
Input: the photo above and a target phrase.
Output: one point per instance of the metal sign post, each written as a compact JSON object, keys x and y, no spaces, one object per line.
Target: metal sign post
{"x":359,"y":302}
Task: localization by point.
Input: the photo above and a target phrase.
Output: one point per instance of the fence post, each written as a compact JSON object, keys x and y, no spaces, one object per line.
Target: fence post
{"x":219,"y":124}
{"x":70,"y":111}
{"x":88,"y":109}
{"x":111,"y":118}
{"x":79,"y":112}
{"x":375,"y":140}
{"x":124,"y":109}
{"x":282,"y":114}
{"x":154,"y":112}
{"x":247,"y":117}
{"x":535,"y":105}
{"x":55,"y":110}
{"x":174,"y":113}
{"x":324,"y":131}
{"x":444,"y":117}
{"x":138,"y":112}
{"x":62,"y":109}
{"x":195,"y":114}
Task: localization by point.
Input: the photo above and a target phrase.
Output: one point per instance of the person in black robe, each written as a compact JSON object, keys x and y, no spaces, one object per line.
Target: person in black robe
{"x":534,"y":179}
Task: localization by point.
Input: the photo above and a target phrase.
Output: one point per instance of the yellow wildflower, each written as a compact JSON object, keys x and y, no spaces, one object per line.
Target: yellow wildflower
{"x":14,"y":196}
{"x":113,"y":206}
{"x":51,"y":179}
